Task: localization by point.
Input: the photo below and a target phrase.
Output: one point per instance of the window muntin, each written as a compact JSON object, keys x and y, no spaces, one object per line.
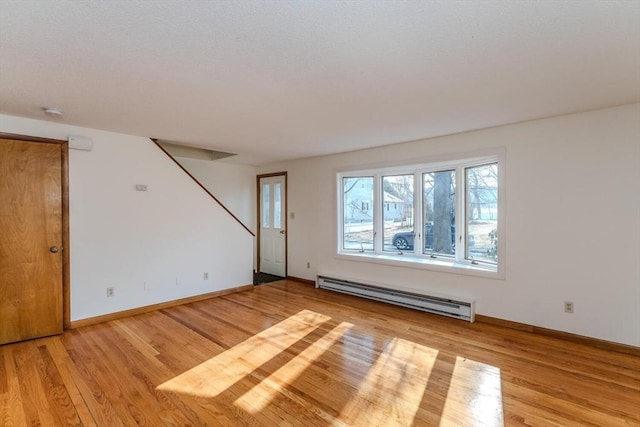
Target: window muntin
{"x":461,"y":196}
{"x":357,"y":217}
{"x":397,"y":212}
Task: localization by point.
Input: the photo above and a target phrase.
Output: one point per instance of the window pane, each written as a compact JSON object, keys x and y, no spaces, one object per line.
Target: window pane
{"x":265,"y":206}
{"x":439,"y":212}
{"x":277,"y":206}
{"x":482,"y":213}
{"x":357,"y":213}
{"x":397,"y":212}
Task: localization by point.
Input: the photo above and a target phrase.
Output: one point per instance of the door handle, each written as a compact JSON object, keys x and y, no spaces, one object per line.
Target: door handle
{"x":54,"y":249}
{"x":281,"y":231}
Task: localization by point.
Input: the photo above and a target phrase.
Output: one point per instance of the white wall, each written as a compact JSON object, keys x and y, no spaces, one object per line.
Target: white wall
{"x":572,"y":218}
{"x":167,"y":237}
{"x":234,"y":185}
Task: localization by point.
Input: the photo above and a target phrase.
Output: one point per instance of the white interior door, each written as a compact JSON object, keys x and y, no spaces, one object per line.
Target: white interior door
{"x":272,"y":225}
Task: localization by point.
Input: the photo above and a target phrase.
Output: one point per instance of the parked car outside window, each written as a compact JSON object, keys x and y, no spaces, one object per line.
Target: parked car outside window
{"x":404,"y":240}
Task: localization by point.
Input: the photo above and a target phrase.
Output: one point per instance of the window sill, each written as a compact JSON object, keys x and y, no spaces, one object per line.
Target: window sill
{"x":440,"y":264}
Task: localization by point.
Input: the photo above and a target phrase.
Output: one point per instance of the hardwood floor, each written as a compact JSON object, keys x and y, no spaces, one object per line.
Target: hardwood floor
{"x":286,"y":354}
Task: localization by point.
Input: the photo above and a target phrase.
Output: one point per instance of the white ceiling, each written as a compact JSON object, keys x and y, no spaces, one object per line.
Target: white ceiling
{"x":275,"y":80}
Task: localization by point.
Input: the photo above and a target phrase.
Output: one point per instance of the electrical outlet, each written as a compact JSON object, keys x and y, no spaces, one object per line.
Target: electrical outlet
{"x":110,"y":292}
{"x":568,"y":306}
{"x":205,"y":276}
{"x":147,"y":286}
{"x":308,"y":264}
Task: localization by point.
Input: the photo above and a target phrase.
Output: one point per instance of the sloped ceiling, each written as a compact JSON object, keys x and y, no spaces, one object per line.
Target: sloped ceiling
{"x":275,"y":80}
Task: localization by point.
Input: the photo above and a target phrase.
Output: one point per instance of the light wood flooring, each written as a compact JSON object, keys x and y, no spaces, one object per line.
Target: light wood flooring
{"x":287,"y":354}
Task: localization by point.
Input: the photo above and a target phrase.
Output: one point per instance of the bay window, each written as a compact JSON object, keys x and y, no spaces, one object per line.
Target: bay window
{"x":440,"y":215}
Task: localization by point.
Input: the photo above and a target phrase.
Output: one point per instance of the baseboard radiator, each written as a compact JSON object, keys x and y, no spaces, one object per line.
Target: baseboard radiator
{"x":464,"y":310}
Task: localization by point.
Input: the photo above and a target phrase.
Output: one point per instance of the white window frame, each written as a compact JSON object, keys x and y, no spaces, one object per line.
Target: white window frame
{"x":457,"y":263}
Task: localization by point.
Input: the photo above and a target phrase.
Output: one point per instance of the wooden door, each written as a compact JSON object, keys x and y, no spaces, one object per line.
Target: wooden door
{"x":31,"y":293}
{"x":273,"y":225}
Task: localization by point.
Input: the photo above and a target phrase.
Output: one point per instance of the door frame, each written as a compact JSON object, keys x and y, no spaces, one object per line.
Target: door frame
{"x":259,"y":219}
{"x":64,"y":181}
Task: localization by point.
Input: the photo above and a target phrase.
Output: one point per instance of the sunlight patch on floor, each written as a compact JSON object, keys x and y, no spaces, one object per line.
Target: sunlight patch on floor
{"x":391,"y":393}
{"x":475,"y":395}
{"x":217,"y":374}
{"x":274,"y":385}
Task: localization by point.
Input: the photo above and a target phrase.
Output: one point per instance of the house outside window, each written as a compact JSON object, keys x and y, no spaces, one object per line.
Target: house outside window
{"x":356,"y":194}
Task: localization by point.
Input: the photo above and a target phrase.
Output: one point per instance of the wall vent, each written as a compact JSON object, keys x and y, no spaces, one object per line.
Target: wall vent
{"x":464,"y":310}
